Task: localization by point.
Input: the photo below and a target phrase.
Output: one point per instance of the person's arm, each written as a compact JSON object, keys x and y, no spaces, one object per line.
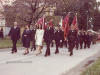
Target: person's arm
{"x":23,"y":33}
{"x":75,"y":35}
{"x":53,"y":35}
{"x":68,"y":35}
{"x":9,"y":34}
{"x":44,"y":34}
{"x":31,"y":35}
{"x":19,"y":33}
{"x":36,"y":35}
{"x":61,"y":33}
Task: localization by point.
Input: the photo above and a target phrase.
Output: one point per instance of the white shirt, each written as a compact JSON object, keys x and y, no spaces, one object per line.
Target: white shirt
{"x":15,"y":27}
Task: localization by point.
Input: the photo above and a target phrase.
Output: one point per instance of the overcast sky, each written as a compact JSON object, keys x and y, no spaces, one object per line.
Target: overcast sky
{"x":10,"y":1}
{"x":98,"y":0}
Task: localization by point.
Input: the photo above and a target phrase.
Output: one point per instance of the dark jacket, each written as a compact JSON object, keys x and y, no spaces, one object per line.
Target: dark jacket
{"x":72,"y":35}
{"x":48,"y":34}
{"x":26,"y":40}
{"x":58,"y":35}
{"x":82,"y":36}
{"x":33,"y":31}
{"x":14,"y":33}
{"x":78,"y":38}
{"x":88,"y":37}
{"x":62,"y":35}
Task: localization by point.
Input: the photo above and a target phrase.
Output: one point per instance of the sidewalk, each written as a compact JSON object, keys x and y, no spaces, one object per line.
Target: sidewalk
{"x":52,"y":65}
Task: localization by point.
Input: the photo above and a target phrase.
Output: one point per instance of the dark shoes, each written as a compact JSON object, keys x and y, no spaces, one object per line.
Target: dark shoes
{"x":70,"y":54}
{"x":56,"y":52}
{"x":27,"y":52}
{"x":46,"y":55}
{"x":33,"y":50}
{"x":24,"y":53}
{"x":40,"y":52}
{"x":13,"y":52}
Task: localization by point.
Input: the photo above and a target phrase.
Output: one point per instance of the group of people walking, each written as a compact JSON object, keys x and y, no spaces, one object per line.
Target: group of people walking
{"x":50,"y":35}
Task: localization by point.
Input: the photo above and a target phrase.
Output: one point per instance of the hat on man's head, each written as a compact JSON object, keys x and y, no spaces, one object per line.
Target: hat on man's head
{"x":33,"y":23}
{"x":48,"y":23}
{"x":58,"y":25}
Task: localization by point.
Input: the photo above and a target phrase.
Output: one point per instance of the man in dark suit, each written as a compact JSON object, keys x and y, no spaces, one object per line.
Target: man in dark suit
{"x":81,"y":38}
{"x":77,"y":41}
{"x":72,"y":34}
{"x":33,"y":37}
{"x":88,"y":39}
{"x":62,"y":35}
{"x":15,"y":36}
{"x":48,"y":38}
{"x":52,"y":43}
{"x":85,"y":39}
{"x":58,"y":38}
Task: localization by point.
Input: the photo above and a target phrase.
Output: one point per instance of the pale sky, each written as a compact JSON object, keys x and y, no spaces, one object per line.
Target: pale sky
{"x":98,"y":0}
{"x":10,"y":1}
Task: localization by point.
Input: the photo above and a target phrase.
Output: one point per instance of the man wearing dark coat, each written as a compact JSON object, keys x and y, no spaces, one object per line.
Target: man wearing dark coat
{"x":15,"y":36}
{"x":58,"y":38}
{"x":85,"y":39}
{"x":77,"y":41}
{"x":52,"y":43}
{"x":88,"y":40}
{"x":81,"y":38}
{"x":48,"y":38}
{"x":33,"y":31}
{"x":72,"y":34}
{"x":62,"y":38}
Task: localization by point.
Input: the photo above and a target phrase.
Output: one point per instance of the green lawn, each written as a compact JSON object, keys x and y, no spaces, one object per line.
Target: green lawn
{"x":7,"y":43}
{"x":94,"y":69}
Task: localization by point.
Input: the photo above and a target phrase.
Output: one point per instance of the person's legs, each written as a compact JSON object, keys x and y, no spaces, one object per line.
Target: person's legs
{"x":33,"y":45}
{"x":72,"y":46}
{"x":48,"y":48}
{"x":57,"y":45}
{"x":15,"y":42}
{"x":77,"y":45}
{"x":25,"y":51}
{"x":38,"y":49}
{"x":12,"y":46}
{"x":69,"y":45}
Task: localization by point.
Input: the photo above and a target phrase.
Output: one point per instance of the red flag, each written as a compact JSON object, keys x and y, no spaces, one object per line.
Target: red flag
{"x":65,"y":25}
{"x":75,"y":23}
{"x":42,"y":21}
{"x":51,"y":23}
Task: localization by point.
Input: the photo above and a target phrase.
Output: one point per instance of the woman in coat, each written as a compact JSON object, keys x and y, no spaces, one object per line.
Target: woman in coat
{"x":39,"y":38}
{"x":26,"y":36}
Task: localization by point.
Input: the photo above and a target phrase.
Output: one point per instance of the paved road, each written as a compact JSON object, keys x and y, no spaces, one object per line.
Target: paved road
{"x":40,"y":65}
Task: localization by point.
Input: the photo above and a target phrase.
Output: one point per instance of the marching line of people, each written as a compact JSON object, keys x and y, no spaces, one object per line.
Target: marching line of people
{"x":51,"y":35}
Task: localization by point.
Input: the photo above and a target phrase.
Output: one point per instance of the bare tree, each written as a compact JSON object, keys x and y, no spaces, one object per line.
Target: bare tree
{"x":27,"y":11}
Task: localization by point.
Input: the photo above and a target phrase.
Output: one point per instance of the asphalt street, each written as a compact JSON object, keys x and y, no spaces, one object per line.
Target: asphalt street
{"x":30,"y":64}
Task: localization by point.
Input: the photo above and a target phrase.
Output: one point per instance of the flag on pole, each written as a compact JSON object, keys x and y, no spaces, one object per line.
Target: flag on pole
{"x":42,"y":22}
{"x":51,"y":23}
{"x":75,"y":23}
{"x":65,"y":25}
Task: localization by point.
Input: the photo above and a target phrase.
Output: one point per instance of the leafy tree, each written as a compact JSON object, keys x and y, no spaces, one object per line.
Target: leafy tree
{"x":84,"y":8}
{"x":27,"y":11}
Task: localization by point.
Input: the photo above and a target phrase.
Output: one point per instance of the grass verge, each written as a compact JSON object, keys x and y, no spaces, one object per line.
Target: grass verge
{"x":93,"y":69}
